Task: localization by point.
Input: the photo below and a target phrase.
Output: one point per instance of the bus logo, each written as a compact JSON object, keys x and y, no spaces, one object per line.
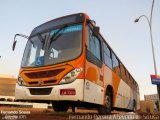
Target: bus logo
{"x":40,"y":82}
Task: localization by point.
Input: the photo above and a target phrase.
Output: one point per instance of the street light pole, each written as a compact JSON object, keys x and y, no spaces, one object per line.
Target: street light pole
{"x":155,"y":67}
{"x":151,"y":36}
{"x":150,"y":29}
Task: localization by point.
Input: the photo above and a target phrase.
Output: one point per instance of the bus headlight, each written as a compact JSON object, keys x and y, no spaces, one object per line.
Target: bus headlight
{"x":20,"y":81}
{"x":71,"y":76}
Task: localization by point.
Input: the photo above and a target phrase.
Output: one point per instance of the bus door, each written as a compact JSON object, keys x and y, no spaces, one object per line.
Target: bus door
{"x":93,"y":90}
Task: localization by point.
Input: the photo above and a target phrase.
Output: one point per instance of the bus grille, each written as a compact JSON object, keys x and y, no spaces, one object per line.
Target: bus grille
{"x":43,"y":82}
{"x":40,"y":91}
{"x":44,"y":74}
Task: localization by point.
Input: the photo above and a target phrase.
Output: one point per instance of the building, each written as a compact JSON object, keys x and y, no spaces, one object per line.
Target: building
{"x":147,"y":106}
{"x":152,"y":98}
{"x":7,"y":94}
{"x":7,"y":86}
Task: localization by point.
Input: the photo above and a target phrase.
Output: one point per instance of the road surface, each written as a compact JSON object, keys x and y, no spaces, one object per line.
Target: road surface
{"x":7,"y":113}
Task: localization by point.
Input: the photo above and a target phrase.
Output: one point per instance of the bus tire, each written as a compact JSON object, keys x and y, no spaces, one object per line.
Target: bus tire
{"x":106,"y":109}
{"x":59,"y":106}
{"x":134,"y":106}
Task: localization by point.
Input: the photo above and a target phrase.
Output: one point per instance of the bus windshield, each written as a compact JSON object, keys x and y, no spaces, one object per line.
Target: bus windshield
{"x":44,"y":51}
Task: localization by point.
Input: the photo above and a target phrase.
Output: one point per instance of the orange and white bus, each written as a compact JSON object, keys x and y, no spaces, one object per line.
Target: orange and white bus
{"x":68,"y":62}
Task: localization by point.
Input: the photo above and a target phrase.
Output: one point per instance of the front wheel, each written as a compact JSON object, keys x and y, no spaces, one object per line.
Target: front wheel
{"x":106,"y":109}
{"x":60,"y":106}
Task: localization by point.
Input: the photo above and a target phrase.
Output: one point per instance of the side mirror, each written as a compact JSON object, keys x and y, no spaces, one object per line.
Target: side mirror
{"x":15,"y":41}
{"x":95,"y":31}
{"x":14,"y":45}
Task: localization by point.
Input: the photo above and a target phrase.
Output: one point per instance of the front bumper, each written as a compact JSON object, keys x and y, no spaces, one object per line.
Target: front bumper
{"x":23,"y":93}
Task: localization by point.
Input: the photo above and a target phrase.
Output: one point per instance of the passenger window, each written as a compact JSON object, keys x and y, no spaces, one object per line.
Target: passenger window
{"x":123,"y":72}
{"x":94,"y":44}
{"x":128,"y":80}
{"x":107,"y":56}
{"x":116,"y":65}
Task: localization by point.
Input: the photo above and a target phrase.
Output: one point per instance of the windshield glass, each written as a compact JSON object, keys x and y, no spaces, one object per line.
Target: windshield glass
{"x":65,"y":47}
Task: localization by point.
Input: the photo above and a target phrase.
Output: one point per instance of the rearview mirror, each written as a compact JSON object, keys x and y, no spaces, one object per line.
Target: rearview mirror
{"x":14,"y":45}
{"x":15,"y":41}
{"x":95,"y":31}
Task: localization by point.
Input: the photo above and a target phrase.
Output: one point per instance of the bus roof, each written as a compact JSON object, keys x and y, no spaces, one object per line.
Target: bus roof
{"x":69,"y":19}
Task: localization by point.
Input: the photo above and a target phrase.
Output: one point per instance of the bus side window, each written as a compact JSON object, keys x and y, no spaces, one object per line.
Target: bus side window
{"x":137,"y":88}
{"x":123,"y":73}
{"x":128,"y":80}
{"x":131,"y":81}
{"x":94,"y":47}
{"x":107,"y":56}
{"x":116,"y":66}
{"x":133,"y":84}
{"x":126,"y":76}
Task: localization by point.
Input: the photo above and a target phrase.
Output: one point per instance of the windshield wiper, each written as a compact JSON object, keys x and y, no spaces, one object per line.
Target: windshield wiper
{"x":41,"y":39}
{"x":57,"y":34}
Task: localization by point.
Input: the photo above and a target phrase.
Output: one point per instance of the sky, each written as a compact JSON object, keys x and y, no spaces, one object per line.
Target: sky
{"x":130,"y":41}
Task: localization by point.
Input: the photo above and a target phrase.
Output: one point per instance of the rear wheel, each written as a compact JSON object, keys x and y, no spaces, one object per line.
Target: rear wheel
{"x":106,"y":109}
{"x":60,"y":106}
{"x":134,"y":106}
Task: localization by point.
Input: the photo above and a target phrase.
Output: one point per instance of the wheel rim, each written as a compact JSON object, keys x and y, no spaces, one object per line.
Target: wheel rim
{"x":134,"y":109}
{"x":108,"y":102}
